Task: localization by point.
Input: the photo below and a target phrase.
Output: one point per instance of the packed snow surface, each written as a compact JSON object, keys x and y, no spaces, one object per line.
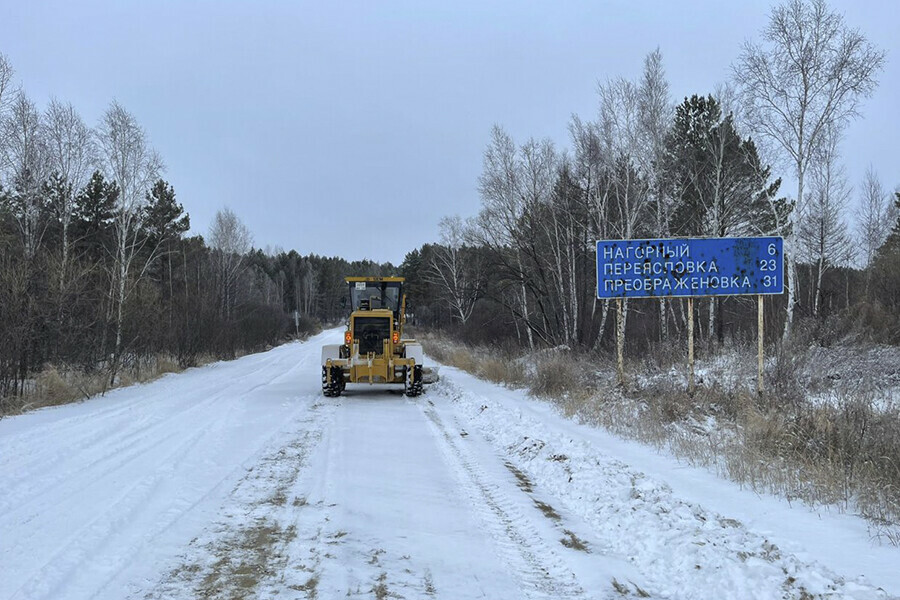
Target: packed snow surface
{"x":240,"y":480}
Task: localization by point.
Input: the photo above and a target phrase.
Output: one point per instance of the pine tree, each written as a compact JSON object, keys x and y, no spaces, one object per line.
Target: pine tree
{"x":164,"y":218}
{"x":95,"y":207}
{"x":719,"y":184}
{"x":886,"y":269}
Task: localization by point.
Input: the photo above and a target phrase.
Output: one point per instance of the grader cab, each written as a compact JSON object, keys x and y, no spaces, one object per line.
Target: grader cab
{"x":374,"y":349}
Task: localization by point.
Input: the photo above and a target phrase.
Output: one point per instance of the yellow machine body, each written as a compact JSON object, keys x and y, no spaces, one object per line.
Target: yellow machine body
{"x":374,"y":349}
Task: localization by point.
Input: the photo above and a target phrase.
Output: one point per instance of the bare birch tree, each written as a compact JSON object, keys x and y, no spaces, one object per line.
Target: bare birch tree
{"x":71,"y":156}
{"x":551,"y":223}
{"x":24,"y":161}
{"x":133,"y":165}
{"x":6,"y":90}
{"x":6,"y":75}
{"x":309,"y":289}
{"x":874,"y":217}
{"x":570,"y":235}
{"x":813,"y":70}
{"x":621,"y":137}
{"x":655,"y":118}
{"x":499,"y":228}
{"x":823,"y":238}
{"x":231,"y":240}
{"x":588,"y":168}
{"x":452,"y":273}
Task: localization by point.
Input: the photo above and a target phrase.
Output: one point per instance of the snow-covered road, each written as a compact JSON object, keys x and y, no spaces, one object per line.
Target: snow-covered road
{"x":239,"y":480}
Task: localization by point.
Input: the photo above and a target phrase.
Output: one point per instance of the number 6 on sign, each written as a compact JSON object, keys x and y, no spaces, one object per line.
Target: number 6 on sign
{"x":772,"y":250}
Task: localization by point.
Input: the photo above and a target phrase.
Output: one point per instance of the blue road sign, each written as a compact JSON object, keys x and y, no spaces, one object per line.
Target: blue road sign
{"x":680,"y":267}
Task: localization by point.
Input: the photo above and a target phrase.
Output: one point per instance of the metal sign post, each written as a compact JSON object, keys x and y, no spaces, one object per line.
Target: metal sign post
{"x":688,"y":268}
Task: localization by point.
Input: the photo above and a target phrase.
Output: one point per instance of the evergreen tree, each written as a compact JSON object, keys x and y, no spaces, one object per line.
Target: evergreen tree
{"x":95,"y":207}
{"x":886,"y":269}
{"x":719,"y":185}
{"x":164,"y":218}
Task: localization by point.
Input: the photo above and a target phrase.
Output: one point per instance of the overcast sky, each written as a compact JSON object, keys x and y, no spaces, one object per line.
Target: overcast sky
{"x":350,"y":128}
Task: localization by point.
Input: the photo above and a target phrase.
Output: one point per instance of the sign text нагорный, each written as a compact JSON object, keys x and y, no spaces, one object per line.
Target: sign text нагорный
{"x":689,"y":267}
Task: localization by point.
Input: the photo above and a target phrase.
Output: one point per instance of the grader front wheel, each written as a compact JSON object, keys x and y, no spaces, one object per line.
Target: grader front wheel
{"x":337,"y":382}
{"x":413,"y":381}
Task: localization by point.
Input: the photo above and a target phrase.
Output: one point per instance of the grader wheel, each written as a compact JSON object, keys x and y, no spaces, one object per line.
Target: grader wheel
{"x":413,"y":381}
{"x":336,"y":386}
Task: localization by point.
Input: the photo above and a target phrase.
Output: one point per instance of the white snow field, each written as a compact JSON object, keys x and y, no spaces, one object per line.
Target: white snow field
{"x":240,"y":480}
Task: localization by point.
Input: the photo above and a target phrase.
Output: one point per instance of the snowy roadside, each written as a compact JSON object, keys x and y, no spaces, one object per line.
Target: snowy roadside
{"x":100,"y":498}
{"x":714,"y":541}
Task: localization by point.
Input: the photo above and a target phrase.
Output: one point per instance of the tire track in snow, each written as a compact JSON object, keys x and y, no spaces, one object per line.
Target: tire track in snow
{"x":105,"y":422}
{"x":381,"y":515}
{"x":91,"y":561}
{"x":99,"y":423}
{"x":85,"y":543}
{"x":259,"y":523}
{"x":111,"y":451}
{"x":151,"y":480}
{"x":326,"y":559}
{"x":538,"y":568}
{"x":105,"y":427}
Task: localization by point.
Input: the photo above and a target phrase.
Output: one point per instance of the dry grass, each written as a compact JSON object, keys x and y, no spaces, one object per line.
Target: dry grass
{"x":844,"y":453}
{"x":167,"y":364}
{"x":547,"y":510}
{"x":59,"y":385}
{"x":245,"y":559}
{"x":559,"y":376}
{"x":52,"y":389}
{"x":497,"y":370}
{"x":496,"y":365}
{"x":574,"y":542}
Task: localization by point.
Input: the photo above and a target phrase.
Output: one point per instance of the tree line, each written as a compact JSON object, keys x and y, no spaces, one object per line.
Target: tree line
{"x":522,"y":269}
{"x":98,"y":271}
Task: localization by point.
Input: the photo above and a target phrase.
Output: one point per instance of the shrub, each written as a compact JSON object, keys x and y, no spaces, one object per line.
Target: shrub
{"x":498,"y":370}
{"x":52,"y":389}
{"x":560,"y":376}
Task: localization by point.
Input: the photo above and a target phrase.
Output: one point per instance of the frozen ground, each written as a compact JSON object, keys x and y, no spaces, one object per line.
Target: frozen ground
{"x":239,"y":480}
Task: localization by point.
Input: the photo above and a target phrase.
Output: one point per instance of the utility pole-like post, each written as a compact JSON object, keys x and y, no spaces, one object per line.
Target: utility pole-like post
{"x":760,"y":363}
{"x":690,"y":303}
{"x":620,"y":343}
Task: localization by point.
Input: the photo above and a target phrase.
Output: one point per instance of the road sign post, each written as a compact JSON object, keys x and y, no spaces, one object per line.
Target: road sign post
{"x":759,"y":345}
{"x":690,"y":303}
{"x":689,"y":268}
{"x":620,"y":343}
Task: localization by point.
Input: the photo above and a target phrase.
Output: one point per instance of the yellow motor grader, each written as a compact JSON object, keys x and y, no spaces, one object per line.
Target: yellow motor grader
{"x":374,"y":350}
